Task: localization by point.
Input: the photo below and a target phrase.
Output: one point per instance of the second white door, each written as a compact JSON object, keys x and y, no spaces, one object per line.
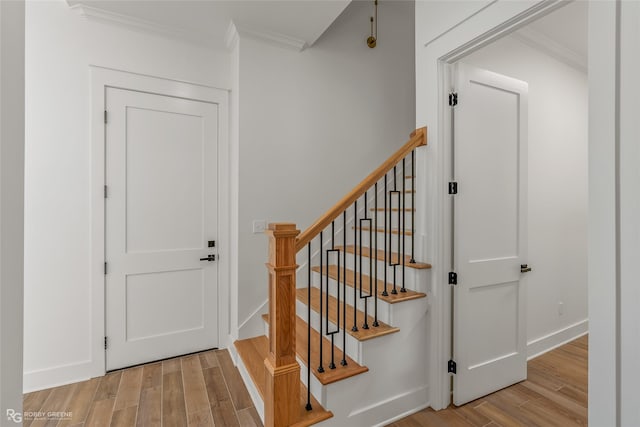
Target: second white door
{"x":490,"y":229}
{"x":161,"y":225}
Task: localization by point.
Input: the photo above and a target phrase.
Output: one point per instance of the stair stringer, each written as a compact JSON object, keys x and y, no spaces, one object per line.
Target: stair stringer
{"x":397,"y":382}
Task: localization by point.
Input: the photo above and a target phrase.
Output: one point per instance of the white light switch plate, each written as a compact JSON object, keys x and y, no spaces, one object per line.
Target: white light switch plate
{"x":259,"y":225}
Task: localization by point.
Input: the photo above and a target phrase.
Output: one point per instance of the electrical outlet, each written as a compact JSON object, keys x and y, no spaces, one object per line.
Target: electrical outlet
{"x":560,"y":308}
{"x":259,"y":225}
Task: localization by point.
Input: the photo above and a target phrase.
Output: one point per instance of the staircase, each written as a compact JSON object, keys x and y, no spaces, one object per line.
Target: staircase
{"x":348,"y":304}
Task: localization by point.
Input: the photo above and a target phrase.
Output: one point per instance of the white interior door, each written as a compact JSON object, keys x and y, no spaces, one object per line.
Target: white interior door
{"x":161,"y":213}
{"x":490,"y":232}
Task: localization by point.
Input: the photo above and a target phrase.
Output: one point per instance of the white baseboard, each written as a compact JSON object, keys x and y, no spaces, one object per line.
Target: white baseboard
{"x":57,"y":376}
{"x":253,"y":325}
{"x":555,"y":339}
{"x":407,"y":403}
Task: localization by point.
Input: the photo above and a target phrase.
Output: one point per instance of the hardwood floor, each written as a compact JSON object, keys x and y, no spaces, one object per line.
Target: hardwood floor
{"x":206,"y":389}
{"x":202,"y":389}
{"x":554,"y":394}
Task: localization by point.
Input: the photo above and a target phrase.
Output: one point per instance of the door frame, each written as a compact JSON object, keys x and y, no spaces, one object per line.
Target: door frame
{"x":490,"y":23}
{"x":101,"y":78}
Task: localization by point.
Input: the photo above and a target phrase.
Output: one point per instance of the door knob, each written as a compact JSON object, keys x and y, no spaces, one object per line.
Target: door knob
{"x":210,"y":257}
{"x":524,"y":268}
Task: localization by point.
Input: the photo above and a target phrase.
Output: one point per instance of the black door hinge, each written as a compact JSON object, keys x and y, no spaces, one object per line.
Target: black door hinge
{"x":451,"y":367}
{"x":105,"y":192}
{"x":105,"y":267}
{"x":453,"y":99}
{"x":105,"y":116}
{"x":453,"y":188}
{"x":105,"y":343}
{"x":453,"y":278}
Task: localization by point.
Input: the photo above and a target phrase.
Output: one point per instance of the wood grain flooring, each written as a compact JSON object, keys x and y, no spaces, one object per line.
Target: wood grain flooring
{"x":554,"y":394}
{"x":203,"y":389}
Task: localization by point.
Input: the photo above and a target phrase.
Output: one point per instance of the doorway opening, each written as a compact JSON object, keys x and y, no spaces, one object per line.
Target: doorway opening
{"x":550,"y":59}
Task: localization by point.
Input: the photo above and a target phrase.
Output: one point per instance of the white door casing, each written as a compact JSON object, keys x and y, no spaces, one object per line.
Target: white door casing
{"x":490,"y":232}
{"x":161,"y":211}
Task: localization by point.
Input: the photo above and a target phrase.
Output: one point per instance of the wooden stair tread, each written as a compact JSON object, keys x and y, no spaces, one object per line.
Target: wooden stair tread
{"x":366,"y":280}
{"x":381,"y":230}
{"x":329,"y":375}
{"x":366,"y":252}
{"x":361,"y":334}
{"x":393,"y":209}
{"x":253,"y":351}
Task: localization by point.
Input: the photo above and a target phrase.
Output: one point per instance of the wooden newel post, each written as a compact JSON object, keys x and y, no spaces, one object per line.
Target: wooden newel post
{"x":282,"y":398}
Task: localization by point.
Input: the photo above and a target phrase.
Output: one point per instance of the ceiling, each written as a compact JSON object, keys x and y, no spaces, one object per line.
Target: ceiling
{"x":206,"y":22}
{"x":566,"y":26}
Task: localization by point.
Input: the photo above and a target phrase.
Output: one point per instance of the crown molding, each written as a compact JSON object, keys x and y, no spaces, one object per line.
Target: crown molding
{"x":537,"y":40}
{"x":235,"y":32}
{"x":136,"y":24}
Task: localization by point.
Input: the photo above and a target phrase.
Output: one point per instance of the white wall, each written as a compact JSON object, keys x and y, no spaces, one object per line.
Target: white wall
{"x":313,"y":124}
{"x":557,"y":213}
{"x":11,"y":204}
{"x":60,"y":46}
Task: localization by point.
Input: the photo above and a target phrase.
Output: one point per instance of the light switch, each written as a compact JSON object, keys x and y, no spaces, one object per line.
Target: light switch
{"x":259,"y":225}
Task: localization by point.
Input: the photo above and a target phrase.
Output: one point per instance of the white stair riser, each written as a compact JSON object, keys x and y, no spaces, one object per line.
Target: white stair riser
{"x":354,"y":347}
{"x":384,"y":308}
{"x":412,"y":276}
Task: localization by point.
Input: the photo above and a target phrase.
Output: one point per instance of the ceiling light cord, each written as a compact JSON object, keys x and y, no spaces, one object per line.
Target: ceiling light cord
{"x":372,"y":40}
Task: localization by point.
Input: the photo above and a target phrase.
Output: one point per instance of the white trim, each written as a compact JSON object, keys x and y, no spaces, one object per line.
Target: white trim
{"x":101,"y":78}
{"x":136,"y":24}
{"x":59,"y":375}
{"x":403,"y":415}
{"x":253,"y":325}
{"x":548,"y":342}
{"x":537,"y":40}
{"x":234,"y":31}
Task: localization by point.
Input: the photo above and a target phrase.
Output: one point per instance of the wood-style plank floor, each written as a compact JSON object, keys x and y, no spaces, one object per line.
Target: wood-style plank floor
{"x":554,"y":394}
{"x":202,"y":389}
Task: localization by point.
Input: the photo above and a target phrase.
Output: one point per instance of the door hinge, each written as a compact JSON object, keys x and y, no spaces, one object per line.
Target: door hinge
{"x":453,"y":278}
{"x":453,"y":188}
{"x":453,"y":99}
{"x":451,"y":367}
{"x":105,"y":267}
{"x":105,"y":116}
{"x":105,"y":192}
{"x":105,"y":343}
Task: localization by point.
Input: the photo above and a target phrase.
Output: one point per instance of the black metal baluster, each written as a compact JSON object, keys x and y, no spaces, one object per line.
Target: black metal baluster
{"x":373,"y":258}
{"x":321,"y":367}
{"x":384,"y":292}
{"x":354,"y":328}
{"x":332,"y":364}
{"x":365,"y":324}
{"x":308,"y":406}
{"x":343,"y":362}
{"x":393,"y":263}
{"x":403,"y":225}
{"x":413,"y":205}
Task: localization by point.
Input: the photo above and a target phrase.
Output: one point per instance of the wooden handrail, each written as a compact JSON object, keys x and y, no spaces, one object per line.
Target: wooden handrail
{"x":417,"y":139}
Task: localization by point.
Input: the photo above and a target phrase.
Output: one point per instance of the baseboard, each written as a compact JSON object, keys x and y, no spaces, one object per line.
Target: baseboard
{"x":253,"y":325}
{"x":555,"y":339}
{"x":408,"y":402}
{"x":57,"y":376}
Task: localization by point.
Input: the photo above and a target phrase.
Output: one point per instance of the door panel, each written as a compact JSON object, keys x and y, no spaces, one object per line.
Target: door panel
{"x":490,"y":232}
{"x":161,"y":211}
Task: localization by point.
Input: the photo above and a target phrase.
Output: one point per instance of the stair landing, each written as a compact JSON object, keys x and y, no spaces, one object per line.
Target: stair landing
{"x":253,"y":351}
